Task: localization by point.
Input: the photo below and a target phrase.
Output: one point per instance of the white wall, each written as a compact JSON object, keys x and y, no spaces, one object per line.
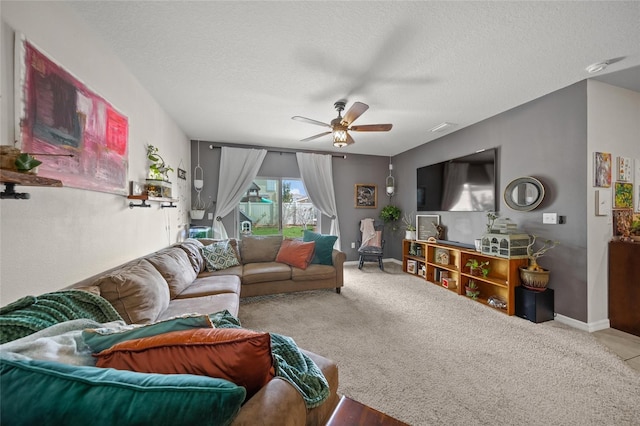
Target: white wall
{"x":614,"y":127}
{"x":62,"y":235}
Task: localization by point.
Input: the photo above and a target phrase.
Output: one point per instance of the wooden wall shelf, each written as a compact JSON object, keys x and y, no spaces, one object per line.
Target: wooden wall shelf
{"x":503,"y":278}
{"x":11,"y":178}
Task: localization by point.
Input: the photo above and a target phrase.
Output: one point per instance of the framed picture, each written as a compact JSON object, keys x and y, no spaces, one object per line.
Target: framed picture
{"x":602,"y":169}
{"x":182,"y":174}
{"x":366,"y":196}
{"x":624,"y":169}
{"x":136,"y":188}
{"x":622,"y":219}
{"x":427,"y":225}
{"x":623,"y":196}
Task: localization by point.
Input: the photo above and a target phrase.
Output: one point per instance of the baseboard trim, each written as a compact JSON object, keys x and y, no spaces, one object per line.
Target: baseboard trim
{"x":584,"y":326}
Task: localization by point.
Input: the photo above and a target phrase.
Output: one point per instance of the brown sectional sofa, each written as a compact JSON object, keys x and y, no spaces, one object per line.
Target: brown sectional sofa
{"x":174,"y":281}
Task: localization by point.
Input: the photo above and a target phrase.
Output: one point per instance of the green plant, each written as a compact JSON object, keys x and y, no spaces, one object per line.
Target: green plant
{"x":158,"y":168}
{"x":476,"y":264}
{"x":534,"y":255}
{"x":635,"y":227}
{"x":390,"y":213}
{"x":407,"y":222}
{"x":472,"y":290}
{"x":26,"y":162}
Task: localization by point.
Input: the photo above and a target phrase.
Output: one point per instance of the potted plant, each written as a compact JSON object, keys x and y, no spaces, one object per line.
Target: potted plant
{"x":409,"y":227}
{"x":534,"y":277}
{"x":478,"y":268}
{"x":199,"y":208}
{"x":472,"y":290}
{"x":158,"y":170}
{"x":390,"y":213}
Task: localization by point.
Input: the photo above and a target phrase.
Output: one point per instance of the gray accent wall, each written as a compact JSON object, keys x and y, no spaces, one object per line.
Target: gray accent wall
{"x":547,"y":139}
{"x":347,"y":172}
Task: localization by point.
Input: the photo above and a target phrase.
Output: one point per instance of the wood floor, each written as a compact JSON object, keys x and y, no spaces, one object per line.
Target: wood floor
{"x":625,"y":345}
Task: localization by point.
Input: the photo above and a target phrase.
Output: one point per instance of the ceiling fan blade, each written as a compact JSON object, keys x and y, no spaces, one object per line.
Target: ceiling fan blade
{"x":310,"y":121}
{"x":356,"y":110}
{"x":319,"y":135}
{"x":372,"y":128}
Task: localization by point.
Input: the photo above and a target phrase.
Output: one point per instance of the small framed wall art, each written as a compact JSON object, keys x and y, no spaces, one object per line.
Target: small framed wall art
{"x":602,"y":169}
{"x":427,"y":225}
{"x":366,"y":196}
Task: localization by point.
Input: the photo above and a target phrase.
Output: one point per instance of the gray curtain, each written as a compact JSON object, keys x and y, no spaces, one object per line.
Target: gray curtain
{"x":238,"y":168}
{"x":317,"y":176}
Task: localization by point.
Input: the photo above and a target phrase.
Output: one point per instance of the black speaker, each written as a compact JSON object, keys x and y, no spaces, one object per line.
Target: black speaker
{"x":536,"y":306}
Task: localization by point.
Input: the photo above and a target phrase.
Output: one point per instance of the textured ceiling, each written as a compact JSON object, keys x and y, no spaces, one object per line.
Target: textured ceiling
{"x":236,"y":72}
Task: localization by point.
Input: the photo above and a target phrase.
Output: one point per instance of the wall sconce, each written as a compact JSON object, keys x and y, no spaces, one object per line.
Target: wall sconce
{"x":390,"y":182}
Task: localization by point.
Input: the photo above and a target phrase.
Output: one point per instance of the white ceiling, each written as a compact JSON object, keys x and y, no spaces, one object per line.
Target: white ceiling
{"x":237,"y":71}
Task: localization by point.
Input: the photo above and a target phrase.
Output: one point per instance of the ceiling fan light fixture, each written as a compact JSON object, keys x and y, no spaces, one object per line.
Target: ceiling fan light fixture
{"x":340,"y":138}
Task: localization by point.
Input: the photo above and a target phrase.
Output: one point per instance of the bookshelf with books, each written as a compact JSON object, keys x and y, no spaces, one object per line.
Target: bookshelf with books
{"x":445,"y":267}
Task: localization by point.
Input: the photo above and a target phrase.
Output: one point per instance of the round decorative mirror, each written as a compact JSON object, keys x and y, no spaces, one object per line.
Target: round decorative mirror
{"x":524,"y":194}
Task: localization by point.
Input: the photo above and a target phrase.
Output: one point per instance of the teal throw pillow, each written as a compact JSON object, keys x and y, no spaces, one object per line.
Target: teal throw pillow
{"x":324,"y":247}
{"x":51,"y":393}
{"x":219,"y":255}
{"x":99,"y":339}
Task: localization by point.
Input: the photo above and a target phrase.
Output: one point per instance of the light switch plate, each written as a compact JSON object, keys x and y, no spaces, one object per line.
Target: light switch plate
{"x":550,"y":218}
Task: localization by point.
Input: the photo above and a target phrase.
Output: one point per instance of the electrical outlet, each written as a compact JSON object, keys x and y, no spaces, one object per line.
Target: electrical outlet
{"x":550,"y":218}
{"x":353,"y":245}
{"x":210,"y":216}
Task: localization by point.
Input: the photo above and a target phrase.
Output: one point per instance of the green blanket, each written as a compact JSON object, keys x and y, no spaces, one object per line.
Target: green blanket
{"x":30,"y":314}
{"x":290,"y":363}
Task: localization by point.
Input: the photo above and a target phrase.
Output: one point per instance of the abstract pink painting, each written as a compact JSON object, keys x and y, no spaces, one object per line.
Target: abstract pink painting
{"x":60,"y":115}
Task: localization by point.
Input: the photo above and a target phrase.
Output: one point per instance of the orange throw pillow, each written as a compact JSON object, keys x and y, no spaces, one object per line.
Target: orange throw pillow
{"x":296,"y":253}
{"x":238,"y":355}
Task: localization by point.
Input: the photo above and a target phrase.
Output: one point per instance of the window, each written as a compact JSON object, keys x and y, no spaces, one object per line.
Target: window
{"x":273,"y":206}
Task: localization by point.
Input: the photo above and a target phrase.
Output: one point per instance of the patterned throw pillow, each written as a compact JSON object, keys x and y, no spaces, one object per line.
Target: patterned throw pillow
{"x":219,"y":255}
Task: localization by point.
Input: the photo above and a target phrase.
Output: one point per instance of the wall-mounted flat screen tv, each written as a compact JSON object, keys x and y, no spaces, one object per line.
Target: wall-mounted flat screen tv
{"x":465,"y":184}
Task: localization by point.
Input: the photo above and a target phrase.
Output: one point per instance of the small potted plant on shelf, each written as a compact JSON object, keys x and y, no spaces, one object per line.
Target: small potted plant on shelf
{"x":478,"y":268}
{"x":409,"y":227}
{"x":634,"y":232}
{"x":534,"y":277}
{"x":157,"y":184}
{"x":472,"y":290}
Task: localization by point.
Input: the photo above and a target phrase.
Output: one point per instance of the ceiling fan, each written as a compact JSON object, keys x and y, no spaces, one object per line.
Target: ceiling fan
{"x":340,"y":126}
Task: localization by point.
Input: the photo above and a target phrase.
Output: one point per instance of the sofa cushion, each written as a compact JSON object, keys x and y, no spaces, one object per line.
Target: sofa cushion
{"x":219,"y":255}
{"x":174,"y":265}
{"x":202,"y":305}
{"x":234,"y":243}
{"x":235,"y":354}
{"x":136,"y":290}
{"x":313,"y":273}
{"x":205,"y":286}
{"x":234,"y":270}
{"x":265,"y":272}
{"x":46,"y":392}
{"x":192,"y":248}
{"x":99,"y":339}
{"x":324,"y":246}
{"x":296,"y":253}
{"x":260,"y":248}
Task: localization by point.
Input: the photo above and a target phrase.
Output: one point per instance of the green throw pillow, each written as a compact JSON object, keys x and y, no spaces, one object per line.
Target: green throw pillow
{"x":219,"y":255}
{"x":46,"y":392}
{"x":99,"y":339}
{"x":324,"y":247}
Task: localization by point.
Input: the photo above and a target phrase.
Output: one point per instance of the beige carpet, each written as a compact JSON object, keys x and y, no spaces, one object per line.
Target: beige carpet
{"x":427,"y":356}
